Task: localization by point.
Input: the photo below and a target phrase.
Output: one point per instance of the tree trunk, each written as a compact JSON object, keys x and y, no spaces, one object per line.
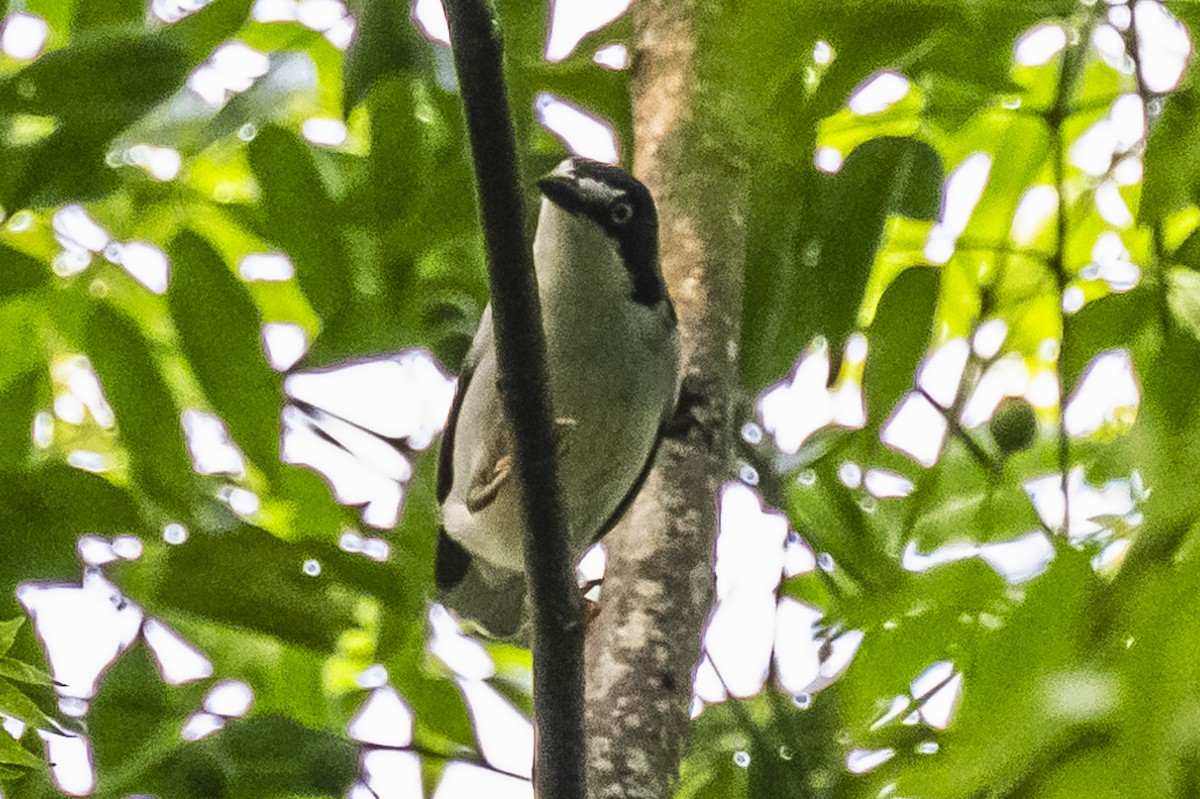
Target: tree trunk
{"x":643,"y":646}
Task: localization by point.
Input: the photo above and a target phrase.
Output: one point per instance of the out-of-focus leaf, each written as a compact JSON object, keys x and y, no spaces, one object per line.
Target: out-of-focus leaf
{"x":199,"y":33}
{"x":820,"y":289}
{"x":220,"y":332}
{"x":8,"y":633}
{"x":386,"y":43}
{"x":19,"y":400}
{"x":899,"y":336}
{"x":95,"y":16}
{"x":302,"y":218}
{"x":249,"y":578}
{"x":1172,"y":158}
{"x":17,"y":671}
{"x":13,"y":753}
{"x":90,"y":91}
{"x":20,"y":273}
{"x":1183,"y":297}
{"x":146,"y":413}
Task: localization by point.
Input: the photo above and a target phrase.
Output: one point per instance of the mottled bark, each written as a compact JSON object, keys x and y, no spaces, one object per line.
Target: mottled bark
{"x":645,"y":642}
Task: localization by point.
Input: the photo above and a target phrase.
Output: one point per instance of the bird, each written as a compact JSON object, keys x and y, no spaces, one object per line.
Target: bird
{"x":612,"y":356}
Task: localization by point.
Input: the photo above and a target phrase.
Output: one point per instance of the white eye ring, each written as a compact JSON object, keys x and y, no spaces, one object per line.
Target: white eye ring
{"x":621,"y":212}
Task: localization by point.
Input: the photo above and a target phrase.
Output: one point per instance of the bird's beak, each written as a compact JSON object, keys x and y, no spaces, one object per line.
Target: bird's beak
{"x":562,"y":188}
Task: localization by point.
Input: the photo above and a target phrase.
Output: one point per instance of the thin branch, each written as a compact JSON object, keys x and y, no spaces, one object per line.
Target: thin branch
{"x":524,"y":385}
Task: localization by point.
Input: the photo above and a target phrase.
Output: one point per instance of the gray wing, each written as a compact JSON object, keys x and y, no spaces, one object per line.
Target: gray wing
{"x":480,"y":347}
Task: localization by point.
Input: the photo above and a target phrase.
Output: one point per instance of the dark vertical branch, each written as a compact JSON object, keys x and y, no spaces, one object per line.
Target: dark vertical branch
{"x":520,"y":350}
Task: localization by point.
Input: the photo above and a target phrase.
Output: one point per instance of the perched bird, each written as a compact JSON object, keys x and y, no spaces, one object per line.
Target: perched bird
{"x":612,"y":357}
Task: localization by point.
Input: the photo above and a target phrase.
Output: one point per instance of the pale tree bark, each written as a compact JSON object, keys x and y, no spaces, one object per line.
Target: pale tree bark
{"x":643,"y":645}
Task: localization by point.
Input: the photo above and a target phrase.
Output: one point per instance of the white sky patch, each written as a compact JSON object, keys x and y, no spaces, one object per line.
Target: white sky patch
{"x":84,"y":627}
{"x":1111,"y":46}
{"x":572,"y":20}
{"x":707,"y":684}
{"x":1020,"y":559}
{"x":1006,"y":377}
{"x":431,"y":19}
{"x":1039,"y":44}
{"x":170,"y":11}
{"x":1108,"y":393}
{"x":268,"y":267}
{"x":383,"y":720}
{"x":241,"y":501}
{"x":229,"y":699}
{"x":231,"y":69}
{"x":275,"y":11}
{"x":739,"y":639}
{"x":860,"y":761}
{"x":320,"y":15}
{"x":464,"y":779}
{"x":1035,"y":212}
{"x":325,"y":131}
{"x":885,"y":484}
{"x":612,"y":56}
{"x":941,"y":373}
{"x":960,"y":194}
{"x":794,"y":409}
{"x":917,"y":429}
{"x":989,"y":337}
{"x":798,"y":557}
{"x":1112,"y":206}
{"x":829,"y":159}
{"x":95,"y":550}
{"x":161,"y":163}
{"x":285,"y":344}
{"x":406,"y":395}
{"x":462,"y":654}
{"x":841,"y":654}
{"x":938,"y":710}
{"x":1112,"y":263}
{"x":178,"y":660}
{"x":127,"y":547}
{"x":505,"y":735}
{"x":1129,"y":171}
{"x":75,"y":229}
{"x":145,"y":263}
{"x":209,"y":444}
{"x":72,"y":766}
{"x":1072,"y":299}
{"x":200,"y":725}
{"x":749,"y":549}
{"x":797,"y":650}
{"x":353,"y":481}
{"x":1164,"y":46}
{"x":83,"y":386}
{"x":878,"y":93}
{"x":581,"y":131}
{"x":1090,"y":507}
{"x":390,"y":774}
{"x":24,"y":36}
{"x":915,"y":561}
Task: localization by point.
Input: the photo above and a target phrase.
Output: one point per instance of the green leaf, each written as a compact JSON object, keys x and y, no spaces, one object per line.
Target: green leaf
{"x":20,"y":273}
{"x":1183,"y":298}
{"x":8,"y":632}
{"x":146,"y":413}
{"x":220,"y":332}
{"x":22,"y":672}
{"x":302,"y":218}
{"x":14,"y":703}
{"x":20,"y":399}
{"x":899,"y":337}
{"x":386,"y":43}
{"x":13,"y":753}
{"x":91,"y":91}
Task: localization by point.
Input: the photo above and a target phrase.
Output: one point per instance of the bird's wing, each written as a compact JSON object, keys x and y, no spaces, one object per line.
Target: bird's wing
{"x":480,"y":348}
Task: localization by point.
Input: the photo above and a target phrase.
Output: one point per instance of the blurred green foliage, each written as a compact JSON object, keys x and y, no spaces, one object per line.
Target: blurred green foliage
{"x":1079,"y":682}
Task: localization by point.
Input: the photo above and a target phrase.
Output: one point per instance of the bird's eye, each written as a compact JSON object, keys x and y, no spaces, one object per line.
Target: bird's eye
{"x":621,"y":212}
